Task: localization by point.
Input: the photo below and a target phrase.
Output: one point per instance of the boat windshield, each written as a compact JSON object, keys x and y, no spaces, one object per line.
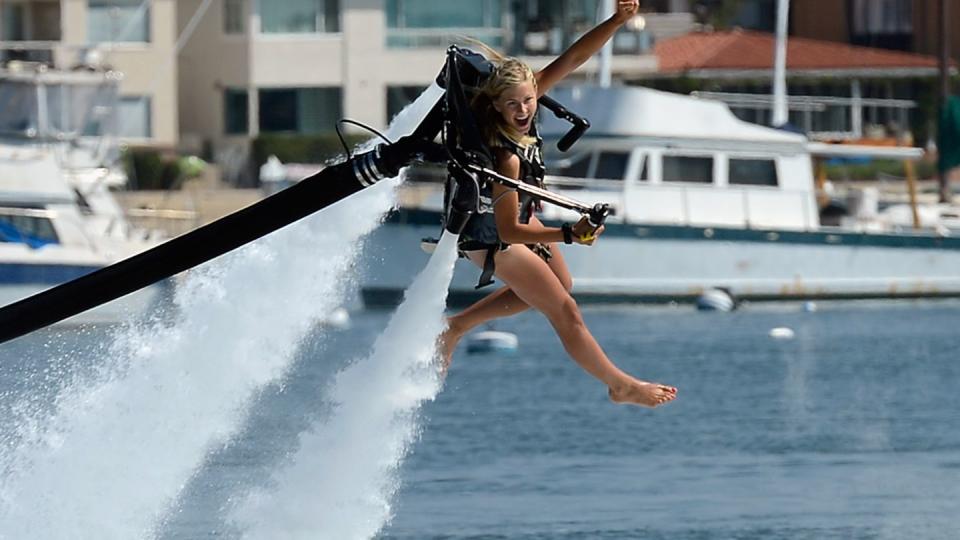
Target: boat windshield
{"x":59,"y":110}
{"x":24,"y":226}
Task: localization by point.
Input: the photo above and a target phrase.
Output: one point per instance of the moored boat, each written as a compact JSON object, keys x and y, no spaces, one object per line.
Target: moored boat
{"x":58,"y":219}
{"x":701,"y":200}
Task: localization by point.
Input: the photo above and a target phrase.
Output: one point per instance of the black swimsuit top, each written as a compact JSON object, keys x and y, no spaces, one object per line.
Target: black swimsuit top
{"x":480,"y":231}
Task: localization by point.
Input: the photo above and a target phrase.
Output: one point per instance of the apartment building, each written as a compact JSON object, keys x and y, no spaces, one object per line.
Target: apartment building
{"x":211,"y":75}
{"x":296,"y":66}
{"x":905,"y":25}
{"x":134,"y":37}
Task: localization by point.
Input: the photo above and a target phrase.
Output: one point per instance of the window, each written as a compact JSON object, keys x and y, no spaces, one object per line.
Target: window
{"x":688,"y":169}
{"x":425,"y":23}
{"x":38,"y":20}
{"x":18,"y":101}
{"x":46,"y":21}
{"x":757,"y":15}
{"x":398,"y":97}
{"x":643,"y":170}
{"x":753,"y":172}
{"x":882,"y":23}
{"x":236,"y":117}
{"x":612,"y":165}
{"x":547,"y":27}
{"x":234,"y":17}
{"x":118,"y":21}
{"x":14,"y":28}
{"x":577,"y":166}
{"x":299,"y":110}
{"x":299,"y":16}
{"x":882,"y":16}
{"x":433,"y":14}
{"x":34,"y":231}
{"x":133,"y":117}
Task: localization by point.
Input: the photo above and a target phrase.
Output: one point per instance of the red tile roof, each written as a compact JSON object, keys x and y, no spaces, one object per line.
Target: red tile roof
{"x":747,"y":50}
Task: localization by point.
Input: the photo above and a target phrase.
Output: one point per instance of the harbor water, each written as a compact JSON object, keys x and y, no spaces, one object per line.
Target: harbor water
{"x":850,"y":428}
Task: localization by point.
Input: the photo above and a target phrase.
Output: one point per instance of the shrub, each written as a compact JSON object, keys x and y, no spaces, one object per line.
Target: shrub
{"x":299,"y":148}
{"x":150,"y":168}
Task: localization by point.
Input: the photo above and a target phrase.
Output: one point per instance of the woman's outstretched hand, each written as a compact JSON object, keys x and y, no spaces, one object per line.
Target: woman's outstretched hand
{"x":626,"y":9}
{"x":584,"y":233}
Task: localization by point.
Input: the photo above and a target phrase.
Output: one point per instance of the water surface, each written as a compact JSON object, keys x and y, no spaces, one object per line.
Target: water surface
{"x":849,"y":430}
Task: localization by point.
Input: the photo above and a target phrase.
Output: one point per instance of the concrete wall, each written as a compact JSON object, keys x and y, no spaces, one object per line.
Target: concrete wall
{"x":150,"y":69}
{"x":209,"y":62}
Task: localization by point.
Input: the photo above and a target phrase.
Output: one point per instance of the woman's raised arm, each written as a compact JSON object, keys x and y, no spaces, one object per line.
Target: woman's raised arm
{"x":585,"y":47}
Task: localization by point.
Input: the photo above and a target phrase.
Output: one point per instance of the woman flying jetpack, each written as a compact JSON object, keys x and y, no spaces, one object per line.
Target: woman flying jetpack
{"x":495,"y":157}
{"x":469,"y":163}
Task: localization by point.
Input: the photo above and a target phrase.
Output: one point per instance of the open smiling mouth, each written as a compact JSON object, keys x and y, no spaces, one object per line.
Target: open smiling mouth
{"x":524,"y":123}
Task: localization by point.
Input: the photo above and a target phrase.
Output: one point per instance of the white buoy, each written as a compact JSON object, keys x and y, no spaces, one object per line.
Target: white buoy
{"x":715,"y":300}
{"x":492,"y":341}
{"x":338,"y":318}
{"x":809,"y":306}
{"x":781,"y":332}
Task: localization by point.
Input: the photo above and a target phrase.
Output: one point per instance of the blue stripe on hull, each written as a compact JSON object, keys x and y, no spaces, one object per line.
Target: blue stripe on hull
{"x":727,"y":234}
{"x":41,"y":274}
{"x":385,"y":297}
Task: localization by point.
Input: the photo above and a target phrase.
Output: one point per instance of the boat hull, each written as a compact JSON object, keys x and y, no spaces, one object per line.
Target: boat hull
{"x":665,"y":263}
{"x":21,"y":280}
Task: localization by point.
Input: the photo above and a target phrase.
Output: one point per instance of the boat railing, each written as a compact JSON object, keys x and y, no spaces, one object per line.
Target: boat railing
{"x":151,"y":222}
{"x":38,"y":55}
{"x":823,"y":117}
{"x":441,"y":37}
{"x":27,"y":212}
{"x":598,"y":184}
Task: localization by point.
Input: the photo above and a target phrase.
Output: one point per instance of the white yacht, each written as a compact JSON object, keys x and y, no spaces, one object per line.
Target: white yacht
{"x":58,"y":219}
{"x":702,"y":201}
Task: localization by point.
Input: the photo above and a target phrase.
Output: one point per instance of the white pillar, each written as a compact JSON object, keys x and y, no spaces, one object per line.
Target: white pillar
{"x":780,"y":114}
{"x":856,"y":109}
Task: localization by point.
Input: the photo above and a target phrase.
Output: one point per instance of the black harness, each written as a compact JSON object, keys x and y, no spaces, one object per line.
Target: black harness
{"x":480,"y":231}
{"x":468,"y":201}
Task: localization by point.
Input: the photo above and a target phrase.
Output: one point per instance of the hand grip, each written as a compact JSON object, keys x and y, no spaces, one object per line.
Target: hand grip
{"x":580,"y":124}
{"x":573,"y":135}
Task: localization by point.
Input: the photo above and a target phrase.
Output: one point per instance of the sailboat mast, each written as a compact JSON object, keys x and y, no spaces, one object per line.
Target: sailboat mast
{"x":606,"y":53}
{"x":780,"y":65}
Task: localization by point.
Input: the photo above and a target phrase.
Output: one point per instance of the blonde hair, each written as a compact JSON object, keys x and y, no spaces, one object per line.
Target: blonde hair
{"x":508,"y":73}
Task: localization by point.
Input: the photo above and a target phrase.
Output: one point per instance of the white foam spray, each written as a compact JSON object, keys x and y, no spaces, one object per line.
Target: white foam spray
{"x":113,"y":457}
{"x":341,"y":480}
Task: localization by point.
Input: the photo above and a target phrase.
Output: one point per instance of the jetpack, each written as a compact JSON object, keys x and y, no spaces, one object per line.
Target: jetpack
{"x":469,"y":164}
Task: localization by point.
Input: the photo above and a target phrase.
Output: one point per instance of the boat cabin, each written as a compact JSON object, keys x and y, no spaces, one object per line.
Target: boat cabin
{"x":661,"y":158}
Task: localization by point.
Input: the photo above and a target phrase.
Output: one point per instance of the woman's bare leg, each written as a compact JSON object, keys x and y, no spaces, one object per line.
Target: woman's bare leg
{"x":501,"y":303}
{"x":534,"y":282}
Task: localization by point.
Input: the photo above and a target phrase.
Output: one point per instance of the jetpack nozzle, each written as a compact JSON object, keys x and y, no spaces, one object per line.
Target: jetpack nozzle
{"x":462,"y":198}
{"x":371,"y":167}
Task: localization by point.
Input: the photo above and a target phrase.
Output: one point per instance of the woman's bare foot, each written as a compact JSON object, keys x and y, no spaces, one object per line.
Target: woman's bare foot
{"x":639,"y":392}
